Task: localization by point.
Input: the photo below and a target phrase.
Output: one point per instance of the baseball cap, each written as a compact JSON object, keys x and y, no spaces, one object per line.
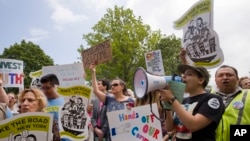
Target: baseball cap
{"x":201,"y":71}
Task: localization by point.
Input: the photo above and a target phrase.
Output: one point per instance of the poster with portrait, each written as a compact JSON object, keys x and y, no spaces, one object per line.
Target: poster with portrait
{"x":136,"y":124}
{"x":200,"y":40}
{"x":32,"y":126}
{"x":154,"y":62}
{"x":11,"y":72}
{"x":73,"y":117}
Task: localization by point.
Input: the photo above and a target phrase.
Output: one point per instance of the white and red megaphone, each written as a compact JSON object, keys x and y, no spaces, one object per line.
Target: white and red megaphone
{"x":144,"y":82}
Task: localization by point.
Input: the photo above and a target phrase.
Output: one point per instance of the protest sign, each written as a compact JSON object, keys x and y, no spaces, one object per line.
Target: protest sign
{"x":97,"y":54}
{"x":137,"y":124}
{"x":11,"y":72}
{"x":27,"y":126}
{"x":154,"y":62}
{"x":36,"y":75}
{"x":200,"y":40}
{"x":73,"y":117}
{"x":68,"y":75}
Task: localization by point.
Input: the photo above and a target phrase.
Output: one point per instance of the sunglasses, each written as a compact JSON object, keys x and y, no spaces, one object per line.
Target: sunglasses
{"x":115,"y":84}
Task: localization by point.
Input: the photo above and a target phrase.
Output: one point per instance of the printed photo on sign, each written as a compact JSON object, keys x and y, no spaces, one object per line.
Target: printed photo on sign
{"x":200,"y":40}
{"x":137,"y":124}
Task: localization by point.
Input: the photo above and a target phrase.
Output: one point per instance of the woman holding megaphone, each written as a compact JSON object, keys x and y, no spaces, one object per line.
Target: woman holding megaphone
{"x":197,"y":116}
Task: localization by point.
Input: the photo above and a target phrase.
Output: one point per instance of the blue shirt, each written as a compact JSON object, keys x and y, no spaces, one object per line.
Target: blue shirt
{"x":8,"y":113}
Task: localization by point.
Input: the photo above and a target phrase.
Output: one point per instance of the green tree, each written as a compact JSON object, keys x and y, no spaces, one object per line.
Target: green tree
{"x":170,"y":47}
{"x":32,"y":56}
{"x":130,"y":39}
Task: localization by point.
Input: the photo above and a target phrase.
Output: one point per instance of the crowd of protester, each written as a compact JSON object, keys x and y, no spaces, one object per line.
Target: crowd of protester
{"x":202,"y":115}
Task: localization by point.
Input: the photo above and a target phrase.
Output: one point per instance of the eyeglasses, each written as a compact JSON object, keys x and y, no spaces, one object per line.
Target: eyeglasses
{"x":115,"y":84}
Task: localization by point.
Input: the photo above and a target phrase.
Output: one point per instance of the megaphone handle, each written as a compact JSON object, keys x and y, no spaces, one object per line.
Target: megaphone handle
{"x":173,"y":76}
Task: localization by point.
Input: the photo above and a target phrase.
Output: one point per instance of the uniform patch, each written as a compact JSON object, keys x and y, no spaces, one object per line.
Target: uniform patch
{"x":214,"y":103}
{"x":238,"y":105}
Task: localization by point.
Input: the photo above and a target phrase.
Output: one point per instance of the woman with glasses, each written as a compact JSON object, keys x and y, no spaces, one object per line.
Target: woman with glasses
{"x":118,"y":100}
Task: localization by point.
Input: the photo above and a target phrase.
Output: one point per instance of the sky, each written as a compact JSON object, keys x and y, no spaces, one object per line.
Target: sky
{"x":57,"y":26}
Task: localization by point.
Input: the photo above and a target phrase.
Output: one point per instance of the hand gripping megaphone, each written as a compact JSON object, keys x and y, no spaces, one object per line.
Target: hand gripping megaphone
{"x":144,"y":82}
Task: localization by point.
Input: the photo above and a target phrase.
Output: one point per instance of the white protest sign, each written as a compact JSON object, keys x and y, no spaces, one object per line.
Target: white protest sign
{"x":154,"y":62}
{"x":11,"y":72}
{"x":73,"y":117}
{"x":68,"y":75}
{"x":137,"y":124}
{"x":200,"y":40}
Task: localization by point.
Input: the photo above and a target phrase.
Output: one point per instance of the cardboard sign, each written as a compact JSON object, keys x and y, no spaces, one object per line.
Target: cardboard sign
{"x":97,"y":54}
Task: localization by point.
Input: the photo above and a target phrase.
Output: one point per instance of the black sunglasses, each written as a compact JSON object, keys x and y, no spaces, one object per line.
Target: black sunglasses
{"x":115,"y":84}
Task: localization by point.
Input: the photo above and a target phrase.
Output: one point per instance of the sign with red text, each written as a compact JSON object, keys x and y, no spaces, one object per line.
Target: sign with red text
{"x":136,"y":124}
{"x":32,"y":126}
{"x":154,"y":62}
{"x":68,"y":75}
{"x":11,"y":72}
{"x":200,"y":40}
{"x":97,"y":54}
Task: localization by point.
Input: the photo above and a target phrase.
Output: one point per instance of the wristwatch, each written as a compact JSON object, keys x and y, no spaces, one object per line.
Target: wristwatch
{"x":171,"y":101}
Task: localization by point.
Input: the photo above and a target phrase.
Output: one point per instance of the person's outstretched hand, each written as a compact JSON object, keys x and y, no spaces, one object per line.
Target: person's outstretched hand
{"x":182,"y":56}
{"x":92,"y":67}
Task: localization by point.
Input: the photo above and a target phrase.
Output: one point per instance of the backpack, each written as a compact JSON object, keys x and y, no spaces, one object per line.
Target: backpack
{"x":3,"y":109}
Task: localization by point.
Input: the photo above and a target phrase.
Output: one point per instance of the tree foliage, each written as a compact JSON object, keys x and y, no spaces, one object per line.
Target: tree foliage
{"x":32,"y":56}
{"x":130,"y":39}
{"x":170,"y":47}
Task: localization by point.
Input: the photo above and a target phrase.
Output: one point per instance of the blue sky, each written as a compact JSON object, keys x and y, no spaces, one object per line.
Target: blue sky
{"x":57,"y":26}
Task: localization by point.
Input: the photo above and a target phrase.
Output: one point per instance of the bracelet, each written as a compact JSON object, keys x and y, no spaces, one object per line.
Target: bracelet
{"x":171,"y":101}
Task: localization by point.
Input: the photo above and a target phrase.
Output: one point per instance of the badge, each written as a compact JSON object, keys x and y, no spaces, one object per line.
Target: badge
{"x":214,"y":103}
{"x":238,"y":105}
